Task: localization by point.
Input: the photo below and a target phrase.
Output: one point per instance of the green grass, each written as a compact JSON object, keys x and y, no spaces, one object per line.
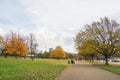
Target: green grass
{"x":111,"y":68}
{"x":41,"y":69}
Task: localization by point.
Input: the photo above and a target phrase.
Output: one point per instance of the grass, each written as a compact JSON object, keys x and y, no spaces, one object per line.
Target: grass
{"x":41,"y":69}
{"x":111,"y":68}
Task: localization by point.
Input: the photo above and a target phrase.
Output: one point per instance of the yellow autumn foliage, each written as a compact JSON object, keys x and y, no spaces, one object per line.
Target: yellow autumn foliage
{"x":15,"y":44}
{"x":87,"y":48}
{"x":58,"y":53}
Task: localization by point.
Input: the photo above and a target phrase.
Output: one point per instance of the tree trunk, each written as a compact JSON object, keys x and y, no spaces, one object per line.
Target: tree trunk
{"x":32,"y":57}
{"x":6,"y":56}
{"x":106,"y":60}
{"x":92,"y":58}
{"x":24,"y":57}
{"x":16,"y":57}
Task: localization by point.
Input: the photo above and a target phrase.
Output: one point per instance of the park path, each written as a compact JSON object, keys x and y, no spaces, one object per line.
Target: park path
{"x":85,"y":71}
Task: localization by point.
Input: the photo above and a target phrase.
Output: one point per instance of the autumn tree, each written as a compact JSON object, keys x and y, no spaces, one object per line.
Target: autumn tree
{"x":15,"y":45}
{"x":22,"y":49}
{"x":58,"y":53}
{"x":105,"y":32}
{"x":117,"y":54}
{"x":87,"y":50}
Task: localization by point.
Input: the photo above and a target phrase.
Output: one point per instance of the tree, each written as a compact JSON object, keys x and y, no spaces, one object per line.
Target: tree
{"x":1,"y":44}
{"x":46,"y":54}
{"x":70,"y":56}
{"x":39,"y":55}
{"x":87,"y":50}
{"x":32,"y":45}
{"x":22,"y":49}
{"x":58,"y":53}
{"x":15,"y":45}
{"x":118,"y":52}
{"x":105,"y":32}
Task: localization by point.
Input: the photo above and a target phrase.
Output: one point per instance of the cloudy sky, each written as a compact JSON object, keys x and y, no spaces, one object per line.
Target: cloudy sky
{"x":54,"y":22}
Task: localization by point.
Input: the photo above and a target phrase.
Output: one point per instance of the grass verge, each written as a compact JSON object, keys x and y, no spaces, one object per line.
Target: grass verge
{"x":111,"y":68}
{"x":40,"y":69}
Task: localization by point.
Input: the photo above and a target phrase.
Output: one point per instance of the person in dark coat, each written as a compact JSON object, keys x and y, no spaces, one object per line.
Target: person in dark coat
{"x":68,"y":62}
{"x":72,"y":62}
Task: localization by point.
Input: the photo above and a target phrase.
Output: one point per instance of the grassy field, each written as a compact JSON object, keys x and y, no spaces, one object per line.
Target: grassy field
{"x":111,"y":68}
{"x":40,"y":69}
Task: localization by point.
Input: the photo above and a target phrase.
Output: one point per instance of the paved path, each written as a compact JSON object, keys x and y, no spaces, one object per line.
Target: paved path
{"x":84,"y":71}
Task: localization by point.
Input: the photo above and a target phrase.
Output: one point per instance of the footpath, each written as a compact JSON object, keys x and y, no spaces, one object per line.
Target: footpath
{"x":85,"y":71}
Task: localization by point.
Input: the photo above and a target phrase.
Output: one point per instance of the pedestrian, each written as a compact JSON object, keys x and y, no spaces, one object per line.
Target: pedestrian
{"x":72,"y":61}
{"x":68,"y":62}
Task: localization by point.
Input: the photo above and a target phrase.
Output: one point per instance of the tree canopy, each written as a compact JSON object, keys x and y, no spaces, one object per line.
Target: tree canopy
{"x":87,"y":50}
{"x":15,"y":45}
{"x":106,"y":34}
{"x":58,"y":53}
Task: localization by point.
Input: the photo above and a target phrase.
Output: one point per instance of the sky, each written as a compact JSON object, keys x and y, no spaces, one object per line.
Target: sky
{"x":54,"y":22}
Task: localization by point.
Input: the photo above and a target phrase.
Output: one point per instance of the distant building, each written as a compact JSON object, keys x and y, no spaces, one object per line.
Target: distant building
{"x":50,"y":49}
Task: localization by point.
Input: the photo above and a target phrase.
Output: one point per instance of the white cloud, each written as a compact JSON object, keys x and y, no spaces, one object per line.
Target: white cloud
{"x":2,"y":32}
{"x":54,"y":22}
{"x":51,"y":37}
